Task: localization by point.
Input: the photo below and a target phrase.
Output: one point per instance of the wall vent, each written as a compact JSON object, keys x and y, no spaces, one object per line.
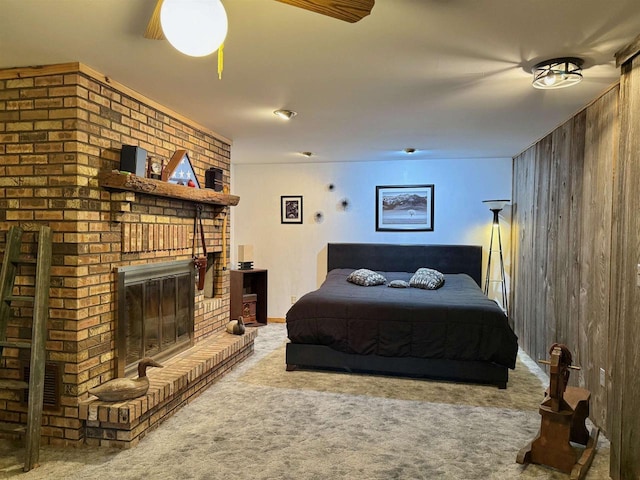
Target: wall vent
{"x":52,"y":385}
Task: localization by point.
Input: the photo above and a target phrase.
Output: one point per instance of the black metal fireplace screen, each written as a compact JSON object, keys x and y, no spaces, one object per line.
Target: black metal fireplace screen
{"x":155,"y":312}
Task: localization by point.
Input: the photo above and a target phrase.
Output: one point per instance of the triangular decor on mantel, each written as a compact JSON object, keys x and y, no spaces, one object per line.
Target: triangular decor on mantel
{"x":179,"y":170}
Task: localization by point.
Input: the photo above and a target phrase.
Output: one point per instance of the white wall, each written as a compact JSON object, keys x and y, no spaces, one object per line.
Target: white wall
{"x":295,"y":255}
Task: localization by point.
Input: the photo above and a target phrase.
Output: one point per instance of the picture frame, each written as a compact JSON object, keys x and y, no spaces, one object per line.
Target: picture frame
{"x":291,"y":209}
{"x":405,"y":208}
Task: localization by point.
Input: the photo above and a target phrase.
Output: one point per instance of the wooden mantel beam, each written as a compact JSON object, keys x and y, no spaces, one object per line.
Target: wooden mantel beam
{"x":132,"y":183}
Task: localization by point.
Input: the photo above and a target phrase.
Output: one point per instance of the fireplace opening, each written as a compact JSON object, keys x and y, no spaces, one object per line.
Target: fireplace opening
{"x":155,"y":312}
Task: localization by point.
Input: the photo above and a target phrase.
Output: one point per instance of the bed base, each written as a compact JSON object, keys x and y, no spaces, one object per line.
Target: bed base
{"x":323,"y":357}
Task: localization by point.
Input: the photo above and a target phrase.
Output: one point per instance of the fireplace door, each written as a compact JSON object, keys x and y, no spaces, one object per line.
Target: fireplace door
{"x":155,"y":312}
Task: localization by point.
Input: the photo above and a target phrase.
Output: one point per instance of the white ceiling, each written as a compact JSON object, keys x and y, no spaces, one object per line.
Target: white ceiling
{"x":450,"y":78}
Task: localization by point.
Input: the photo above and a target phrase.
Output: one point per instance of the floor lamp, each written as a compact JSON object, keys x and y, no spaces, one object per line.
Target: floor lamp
{"x":496,"y":207}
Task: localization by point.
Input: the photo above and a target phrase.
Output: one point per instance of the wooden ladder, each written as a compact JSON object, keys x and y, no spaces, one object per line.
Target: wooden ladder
{"x":40,"y":302}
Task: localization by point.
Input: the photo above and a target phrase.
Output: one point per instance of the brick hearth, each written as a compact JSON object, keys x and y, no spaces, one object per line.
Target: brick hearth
{"x":183,"y":378}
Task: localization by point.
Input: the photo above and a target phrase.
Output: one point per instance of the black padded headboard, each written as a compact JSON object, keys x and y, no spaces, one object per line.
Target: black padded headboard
{"x":407,"y":258}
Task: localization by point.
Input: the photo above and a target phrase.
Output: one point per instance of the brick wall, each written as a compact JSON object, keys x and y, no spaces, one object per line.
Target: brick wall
{"x":59,"y":127}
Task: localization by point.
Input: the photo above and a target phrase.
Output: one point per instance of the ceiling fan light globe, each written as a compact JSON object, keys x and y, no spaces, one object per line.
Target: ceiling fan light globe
{"x":194,"y":27}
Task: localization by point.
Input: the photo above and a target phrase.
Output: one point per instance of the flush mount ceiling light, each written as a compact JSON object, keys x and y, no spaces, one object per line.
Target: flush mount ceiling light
{"x":306,"y":154}
{"x":194,"y":27}
{"x":557,"y":73}
{"x":285,"y":114}
{"x":409,"y":150}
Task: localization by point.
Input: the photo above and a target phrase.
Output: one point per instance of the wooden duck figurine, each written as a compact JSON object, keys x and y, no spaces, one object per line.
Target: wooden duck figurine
{"x":120,"y":389}
{"x":236,"y":327}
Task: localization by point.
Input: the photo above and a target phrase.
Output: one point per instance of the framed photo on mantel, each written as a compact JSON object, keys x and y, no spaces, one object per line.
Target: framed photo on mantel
{"x":291,"y":209}
{"x":404,"y":208}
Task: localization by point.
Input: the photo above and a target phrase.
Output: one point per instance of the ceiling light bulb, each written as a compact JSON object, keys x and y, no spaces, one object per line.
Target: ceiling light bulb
{"x":285,"y":114}
{"x":550,"y":79}
{"x":194,"y":27}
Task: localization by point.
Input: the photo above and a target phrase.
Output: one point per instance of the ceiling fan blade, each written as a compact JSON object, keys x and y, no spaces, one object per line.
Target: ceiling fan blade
{"x":154,"y":29}
{"x":348,"y":10}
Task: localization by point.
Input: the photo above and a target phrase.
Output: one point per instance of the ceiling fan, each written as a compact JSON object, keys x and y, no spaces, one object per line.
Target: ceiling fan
{"x":347,"y":10}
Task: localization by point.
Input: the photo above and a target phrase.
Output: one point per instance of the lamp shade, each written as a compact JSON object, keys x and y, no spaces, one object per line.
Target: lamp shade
{"x":245,"y":253}
{"x":194,"y":27}
{"x":496,"y":205}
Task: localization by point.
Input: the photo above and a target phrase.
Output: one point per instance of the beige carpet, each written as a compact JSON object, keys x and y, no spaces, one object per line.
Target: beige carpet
{"x":524,"y":391}
{"x":262,"y":423}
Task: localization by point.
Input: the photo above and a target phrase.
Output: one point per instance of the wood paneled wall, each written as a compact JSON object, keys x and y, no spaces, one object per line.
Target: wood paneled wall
{"x":624,"y":403}
{"x":561,"y":243}
{"x":575,"y":256}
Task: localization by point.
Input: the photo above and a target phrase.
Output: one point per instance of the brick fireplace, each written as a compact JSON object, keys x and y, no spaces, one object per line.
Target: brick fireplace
{"x":61,"y":126}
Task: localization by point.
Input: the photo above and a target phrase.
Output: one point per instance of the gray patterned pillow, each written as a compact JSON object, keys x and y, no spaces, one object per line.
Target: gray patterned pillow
{"x":427,"y":278}
{"x":398,"y":284}
{"x":366,"y":278}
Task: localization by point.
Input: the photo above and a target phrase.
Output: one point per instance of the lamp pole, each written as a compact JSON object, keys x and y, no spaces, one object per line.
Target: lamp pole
{"x":496,"y":207}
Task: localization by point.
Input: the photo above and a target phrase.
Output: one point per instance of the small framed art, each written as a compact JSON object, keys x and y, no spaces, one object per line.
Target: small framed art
{"x":404,"y":208}
{"x":291,"y":209}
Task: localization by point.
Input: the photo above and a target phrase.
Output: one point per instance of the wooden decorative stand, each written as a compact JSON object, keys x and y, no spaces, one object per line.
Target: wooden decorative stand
{"x":564,"y":411}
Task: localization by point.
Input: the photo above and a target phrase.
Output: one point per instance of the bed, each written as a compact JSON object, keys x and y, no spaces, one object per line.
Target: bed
{"x":452,"y":333}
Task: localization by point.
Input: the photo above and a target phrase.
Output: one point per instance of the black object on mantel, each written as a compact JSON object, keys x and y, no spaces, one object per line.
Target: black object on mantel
{"x":245,"y":265}
{"x":133,"y":159}
{"x":213,"y":179}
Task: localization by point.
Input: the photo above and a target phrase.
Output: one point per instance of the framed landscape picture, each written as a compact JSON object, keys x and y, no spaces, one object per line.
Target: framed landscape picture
{"x":404,"y":208}
{"x":291,"y":209}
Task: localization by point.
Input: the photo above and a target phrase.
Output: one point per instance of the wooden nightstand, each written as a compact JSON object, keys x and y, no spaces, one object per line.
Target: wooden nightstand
{"x":249,"y":294}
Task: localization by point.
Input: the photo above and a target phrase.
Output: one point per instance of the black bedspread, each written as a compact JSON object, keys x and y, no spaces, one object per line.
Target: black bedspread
{"x":456,"y":322}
